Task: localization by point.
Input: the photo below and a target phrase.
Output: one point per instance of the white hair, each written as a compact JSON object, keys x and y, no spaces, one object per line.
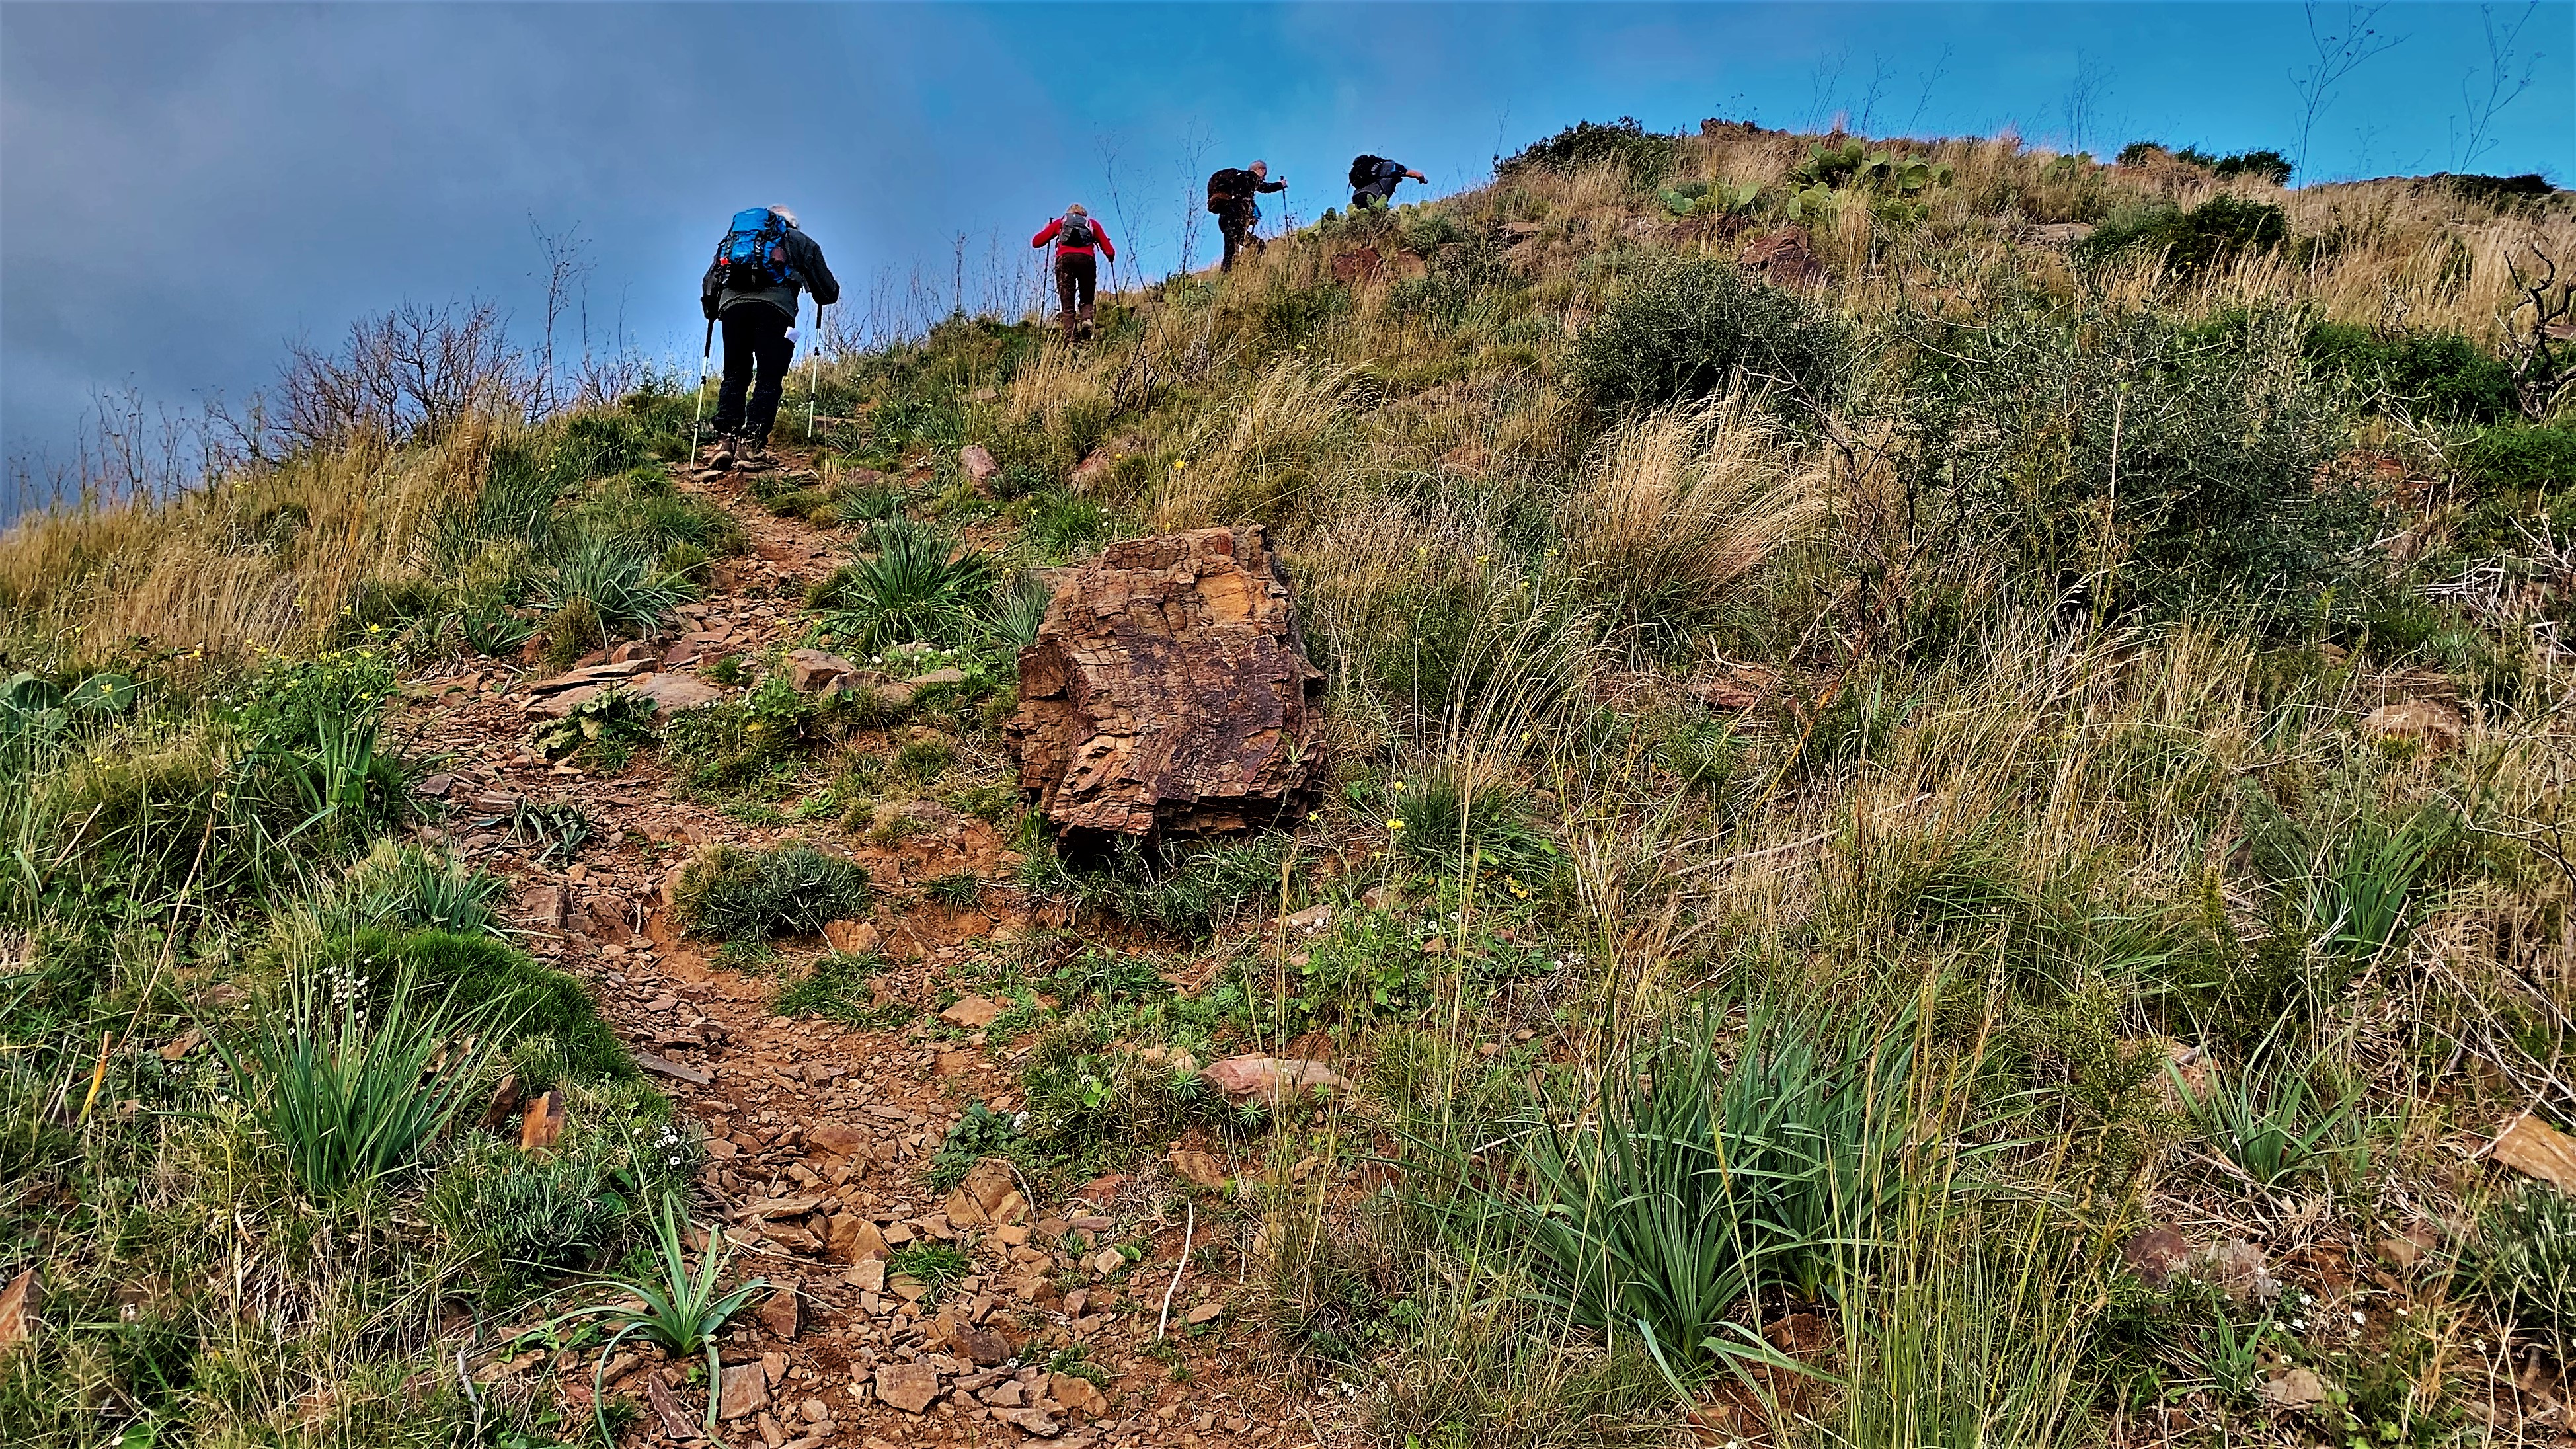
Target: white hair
{"x":783,"y":214}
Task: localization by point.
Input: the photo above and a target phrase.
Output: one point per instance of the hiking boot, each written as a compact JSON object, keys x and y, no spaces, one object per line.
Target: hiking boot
{"x":723,"y":454}
{"x":1085,"y":321}
{"x":754,"y":457}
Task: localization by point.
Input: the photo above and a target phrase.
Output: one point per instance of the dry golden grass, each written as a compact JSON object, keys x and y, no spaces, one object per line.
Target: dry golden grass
{"x":265,"y":560}
{"x":1681,"y":504}
{"x":1264,"y":458}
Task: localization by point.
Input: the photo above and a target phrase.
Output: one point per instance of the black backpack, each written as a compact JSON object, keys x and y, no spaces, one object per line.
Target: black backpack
{"x":1364,"y":170}
{"x":1075,"y":231}
{"x":1229,"y":186}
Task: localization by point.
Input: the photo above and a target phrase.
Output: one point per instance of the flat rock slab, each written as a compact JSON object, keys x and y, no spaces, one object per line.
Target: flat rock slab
{"x":1168,"y":693}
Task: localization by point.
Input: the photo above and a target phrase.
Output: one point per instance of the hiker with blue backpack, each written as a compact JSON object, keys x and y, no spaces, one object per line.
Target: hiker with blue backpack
{"x":1077,"y":273}
{"x":1374,"y":179}
{"x":752,"y":289}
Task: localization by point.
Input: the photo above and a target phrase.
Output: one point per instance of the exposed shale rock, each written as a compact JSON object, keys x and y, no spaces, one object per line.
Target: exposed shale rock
{"x":1168,"y":693}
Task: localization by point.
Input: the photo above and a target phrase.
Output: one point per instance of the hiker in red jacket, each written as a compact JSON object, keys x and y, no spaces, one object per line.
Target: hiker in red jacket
{"x":1077,"y":275}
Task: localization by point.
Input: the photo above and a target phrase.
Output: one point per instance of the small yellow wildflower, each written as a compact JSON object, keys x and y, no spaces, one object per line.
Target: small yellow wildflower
{"x":1395,"y":825}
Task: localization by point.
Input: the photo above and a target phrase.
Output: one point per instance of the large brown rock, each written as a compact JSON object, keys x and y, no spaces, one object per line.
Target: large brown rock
{"x":1168,"y":692}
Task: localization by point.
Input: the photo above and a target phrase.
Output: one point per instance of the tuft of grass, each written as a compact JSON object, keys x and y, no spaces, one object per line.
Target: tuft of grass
{"x":915,"y":584}
{"x":411,"y":888}
{"x":794,"y":890}
{"x":352,"y":1085}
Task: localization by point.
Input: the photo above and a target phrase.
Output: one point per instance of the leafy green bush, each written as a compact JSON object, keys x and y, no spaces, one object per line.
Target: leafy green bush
{"x":794,"y":890}
{"x":2537,"y":459}
{"x":728,"y":742}
{"x":528,"y":1001}
{"x":2271,"y":166}
{"x":978,"y":1133}
{"x":608,"y":726}
{"x":1683,"y":327}
{"x":2189,"y":465}
{"x":917,"y":585}
{"x":2218,"y":230}
{"x":2438,"y":374}
{"x":1647,"y":156}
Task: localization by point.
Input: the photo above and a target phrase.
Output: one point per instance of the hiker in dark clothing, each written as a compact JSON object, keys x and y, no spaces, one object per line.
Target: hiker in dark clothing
{"x":1077,"y":275}
{"x":751,"y":290}
{"x":1374,"y":179}
{"x":1234,"y":195}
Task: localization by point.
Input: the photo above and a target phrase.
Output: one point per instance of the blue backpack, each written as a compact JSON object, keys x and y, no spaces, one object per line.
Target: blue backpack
{"x":754,"y":253}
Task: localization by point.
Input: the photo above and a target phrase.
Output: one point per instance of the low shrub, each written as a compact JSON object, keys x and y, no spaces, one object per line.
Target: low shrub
{"x":838,"y":986}
{"x":2435,"y":374}
{"x":2218,"y":230}
{"x":1185,"y":889}
{"x":1646,"y":156}
{"x":1446,"y":822}
{"x":794,"y":890}
{"x":1681,"y":328}
{"x":2537,"y":459}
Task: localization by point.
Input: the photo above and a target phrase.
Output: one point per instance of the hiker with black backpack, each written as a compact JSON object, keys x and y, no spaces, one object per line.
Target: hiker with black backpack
{"x":751,"y":289}
{"x":1077,"y":274}
{"x":1374,"y":179}
{"x":1234,"y":194}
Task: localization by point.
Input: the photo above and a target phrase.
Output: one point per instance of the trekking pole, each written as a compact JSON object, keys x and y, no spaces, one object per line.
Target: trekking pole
{"x":705,"y":351}
{"x":811,"y":348}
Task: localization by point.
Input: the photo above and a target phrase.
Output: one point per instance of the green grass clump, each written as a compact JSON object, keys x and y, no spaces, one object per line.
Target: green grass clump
{"x":794,"y":890}
{"x":411,"y":888}
{"x":837,"y":986}
{"x":915,"y":584}
{"x":529,"y":1001}
{"x":353,"y":1084}
{"x":1707,"y":1177}
{"x":2523,"y":1261}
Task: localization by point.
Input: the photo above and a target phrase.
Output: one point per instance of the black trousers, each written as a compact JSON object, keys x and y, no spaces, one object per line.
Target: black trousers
{"x":1077,"y":278}
{"x":1236,"y":227}
{"x":755,"y":337}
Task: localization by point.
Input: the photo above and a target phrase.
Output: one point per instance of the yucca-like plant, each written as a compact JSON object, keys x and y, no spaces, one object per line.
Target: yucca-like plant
{"x":2276,"y":1121}
{"x":679,"y":1310}
{"x":352,"y":1084}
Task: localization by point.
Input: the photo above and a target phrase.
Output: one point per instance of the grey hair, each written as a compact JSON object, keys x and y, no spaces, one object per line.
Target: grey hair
{"x":1076,"y":210}
{"x":783,"y":214}
{"x":1258,"y":166}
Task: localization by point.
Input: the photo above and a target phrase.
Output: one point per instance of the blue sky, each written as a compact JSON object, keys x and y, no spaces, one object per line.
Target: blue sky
{"x":186,"y":188}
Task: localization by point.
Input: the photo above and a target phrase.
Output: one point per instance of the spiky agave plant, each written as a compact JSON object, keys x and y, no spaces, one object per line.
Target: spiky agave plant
{"x":680,"y":1311}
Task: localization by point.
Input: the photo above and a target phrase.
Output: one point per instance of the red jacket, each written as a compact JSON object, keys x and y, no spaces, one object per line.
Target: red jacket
{"x":1107,"y":248}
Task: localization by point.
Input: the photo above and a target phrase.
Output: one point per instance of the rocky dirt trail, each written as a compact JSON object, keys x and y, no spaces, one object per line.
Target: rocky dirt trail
{"x":819,"y":1135}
